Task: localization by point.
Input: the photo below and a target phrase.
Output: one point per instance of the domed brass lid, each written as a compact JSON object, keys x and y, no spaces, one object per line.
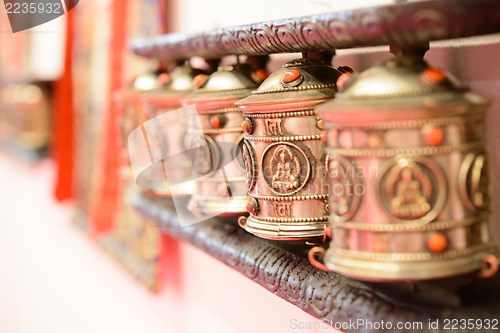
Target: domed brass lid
{"x":404,"y":87}
{"x":303,"y":82}
{"x":223,"y":87}
{"x":174,"y":85}
{"x":137,"y":90}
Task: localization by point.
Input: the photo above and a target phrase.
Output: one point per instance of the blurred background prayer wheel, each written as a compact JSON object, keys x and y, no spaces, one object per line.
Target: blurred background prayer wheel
{"x":163,"y":106}
{"x":134,"y":114}
{"x":216,"y":138}
{"x":408,"y":175}
{"x":283,"y":153}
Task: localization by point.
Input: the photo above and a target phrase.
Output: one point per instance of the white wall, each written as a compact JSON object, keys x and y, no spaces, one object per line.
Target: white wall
{"x":47,"y":44}
{"x":196,"y":15}
{"x":53,"y":279}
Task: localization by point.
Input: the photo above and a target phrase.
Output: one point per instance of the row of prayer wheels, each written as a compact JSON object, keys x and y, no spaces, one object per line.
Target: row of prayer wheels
{"x":389,"y":164}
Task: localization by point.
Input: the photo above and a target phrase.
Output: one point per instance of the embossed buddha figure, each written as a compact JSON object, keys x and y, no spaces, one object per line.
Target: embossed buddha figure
{"x":409,"y":201}
{"x":287,"y":168}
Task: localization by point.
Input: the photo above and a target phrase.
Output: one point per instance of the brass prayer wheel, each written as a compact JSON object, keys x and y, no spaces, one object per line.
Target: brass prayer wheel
{"x":134,"y":114}
{"x":408,"y":175}
{"x":215,"y":139}
{"x":163,"y":106}
{"x":283,"y":154}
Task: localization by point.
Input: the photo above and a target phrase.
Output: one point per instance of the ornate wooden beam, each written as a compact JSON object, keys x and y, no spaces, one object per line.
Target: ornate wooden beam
{"x":411,"y":23}
{"x":283,"y":269}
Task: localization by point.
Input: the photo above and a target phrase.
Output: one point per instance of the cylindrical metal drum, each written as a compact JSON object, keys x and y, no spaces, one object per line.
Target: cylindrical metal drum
{"x":215,"y":138}
{"x":134,"y":114}
{"x":283,"y":154}
{"x":170,"y":121}
{"x":408,"y":175}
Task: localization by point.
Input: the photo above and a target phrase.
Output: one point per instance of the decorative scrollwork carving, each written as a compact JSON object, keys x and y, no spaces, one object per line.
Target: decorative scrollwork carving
{"x":403,"y":24}
{"x":290,"y":276}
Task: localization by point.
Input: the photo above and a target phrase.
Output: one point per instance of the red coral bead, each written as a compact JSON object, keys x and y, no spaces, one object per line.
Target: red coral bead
{"x":199,"y":80}
{"x":163,"y":79}
{"x":246,"y":126}
{"x":261,"y":74}
{"x":343,"y":79}
{"x":249,"y":206}
{"x":290,"y":76}
{"x":216,"y":121}
{"x":322,"y":136}
{"x":434,"y":75}
{"x":437,"y":242}
{"x":434,"y":136}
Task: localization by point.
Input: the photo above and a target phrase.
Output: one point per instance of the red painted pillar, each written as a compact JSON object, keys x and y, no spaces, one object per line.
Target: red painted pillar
{"x":63,"y":134}
{"x":105,"y":205}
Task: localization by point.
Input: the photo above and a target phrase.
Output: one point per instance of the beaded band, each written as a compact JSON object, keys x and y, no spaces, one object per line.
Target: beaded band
{"x":282,"y":138}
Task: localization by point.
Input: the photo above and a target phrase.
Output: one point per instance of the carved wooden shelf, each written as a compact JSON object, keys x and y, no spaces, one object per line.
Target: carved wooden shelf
{"x":283,"y":269}
{"x":411,"y":23}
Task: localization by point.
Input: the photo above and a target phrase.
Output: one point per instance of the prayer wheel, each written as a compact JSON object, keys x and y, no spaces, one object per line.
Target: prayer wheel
{"x":216,"y":138}
{"x":408,"y":174}
{"x":283,"y":153}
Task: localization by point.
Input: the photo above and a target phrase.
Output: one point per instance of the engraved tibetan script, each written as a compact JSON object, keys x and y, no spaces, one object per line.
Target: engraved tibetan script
{"x":282,"y":209}
{"x":273,"y":127}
